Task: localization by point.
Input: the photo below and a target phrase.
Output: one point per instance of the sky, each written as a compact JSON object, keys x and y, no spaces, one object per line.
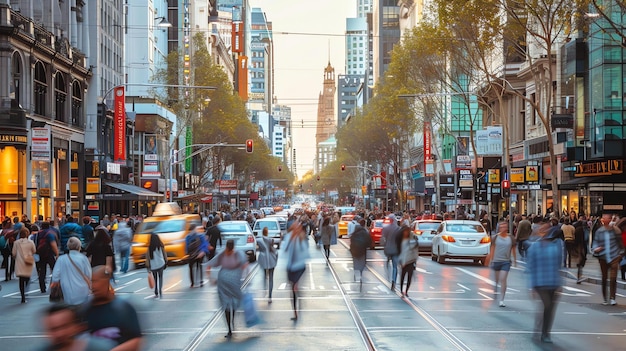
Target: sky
{"x":306,"y":34}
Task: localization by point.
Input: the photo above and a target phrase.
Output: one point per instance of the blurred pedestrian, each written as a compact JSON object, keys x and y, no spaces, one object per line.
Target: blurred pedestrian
{"x":23,"y":251}
{"x":232,"y":265}
{"x":73,"y":272}
{"x":608,"y":247}
{"x":524,"y":230}
{"x":69,"y":229}
{"x":297,"y":252}
{"x":326,"y":238}
{"x":99,"y":252}
{"x":9,"y":235}
{"x":268,"y":257}
{"x":502,"y":246}
{"x":156,"y":262}
{"x":196,"y":247}
{"x":121,"y":242}
{"x":408,"y":246}
{"x":48,"y":252}
{"x":66,"y":332}
{"x":543,"y":263}
{"x":110,"y":317}
{"x":569,"y":235}
{"x":390,"y":237}
{"x":88,"y":232}
{"x":214,"y":235}
{"x":359,"y":242}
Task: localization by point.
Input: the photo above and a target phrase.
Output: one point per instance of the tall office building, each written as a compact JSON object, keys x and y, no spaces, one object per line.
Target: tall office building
{"x":364,"y":7}
{"x":348,"y":87}
{"x":261,"y":62}
{"x":385,"y":32}
{"x":356,"y":46}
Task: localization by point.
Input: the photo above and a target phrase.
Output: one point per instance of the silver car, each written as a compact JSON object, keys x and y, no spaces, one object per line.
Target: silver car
{"x":274,"y":229}
{"x":241,"y":234}
{"x":425,"y":230}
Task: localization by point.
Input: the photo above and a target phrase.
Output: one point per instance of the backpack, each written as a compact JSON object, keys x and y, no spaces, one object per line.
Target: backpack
{"x":43,"y":247}
{"x":194,"y":247}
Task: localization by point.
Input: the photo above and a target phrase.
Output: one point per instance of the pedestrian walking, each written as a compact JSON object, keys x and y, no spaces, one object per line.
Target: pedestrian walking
{"x":326,"y":238}
{"x":359,"y":242}
{"x":524,"y":230}
{"x":23,"y":251}
{"x":121,"y":242}
{"x":110,"y":317}
{"x":196,"y":247}
{"x":268,"y":257}
{"x":88,"y":232}
{"x":580,"y":248}
{"x":502,"y":247}
{"x":156,"y":262}
{"x":608,"y":247}
{"x":297,"y":253}
{"x":73,"y":272}
{"x":9,"y":236}
{"x":569,"y":235}
{"x":66,"y":332}
{"x":48,"y":251}
{"x":213,"y":235}
{"x":232,"y":265}
{"x":69,"y":229}
{"x":408,"y":246}
{"x":390,"y":237}
{"x":543,"y":263}
{"x":99,"y":252}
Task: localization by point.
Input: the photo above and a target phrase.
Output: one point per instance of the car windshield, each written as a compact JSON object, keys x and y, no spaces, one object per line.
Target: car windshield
{"x":346,"y":218}
{"x":378,"y":224}
{"x":170,"y":226}
{"x":270,"y":225}
{"x":428,"y":226}
{"x":233,"y":227}
{"x":465,"y":228}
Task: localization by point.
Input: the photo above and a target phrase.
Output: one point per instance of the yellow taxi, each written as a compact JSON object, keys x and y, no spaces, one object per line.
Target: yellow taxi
{"x":342,"y":225}
{"x":171,"y":225}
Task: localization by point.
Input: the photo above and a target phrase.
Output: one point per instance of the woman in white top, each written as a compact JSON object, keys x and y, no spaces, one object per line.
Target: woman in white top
{"x":156,"y":262}
{"x":73,"y":272}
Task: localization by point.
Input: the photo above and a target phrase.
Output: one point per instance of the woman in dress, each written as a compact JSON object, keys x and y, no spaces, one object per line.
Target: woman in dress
{"x":267,"y":260}
{"x":327,"y":233}
{"x":99,"y":250}
{"x":502,"y":246}
{"x":23,"y":251}
{"x":409,"y":253}
{"x":156,"y":262}
{"x":229,"y":281}
{"x":73,"y":272}
{"x":297,"y":253}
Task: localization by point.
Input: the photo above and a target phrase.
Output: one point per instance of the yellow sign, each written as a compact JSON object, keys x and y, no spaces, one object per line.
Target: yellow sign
{"x":44,"y":192}
{"x":517,"y":175}
{"x":494,"y":176}
{"x":532,"y":173}
{"x":363,"y":190}
{"x":92,"y":186}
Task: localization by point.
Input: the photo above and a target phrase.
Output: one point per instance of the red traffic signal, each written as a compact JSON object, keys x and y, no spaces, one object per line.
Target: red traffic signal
{"x":249,"y":145}
{"x":280,"y":168}
{"x":318,"y":178}
{"x":343,"y":167}
{"x":506,"y":188}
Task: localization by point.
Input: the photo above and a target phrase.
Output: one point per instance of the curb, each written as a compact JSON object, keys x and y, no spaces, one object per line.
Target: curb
{"x":592,"y":280}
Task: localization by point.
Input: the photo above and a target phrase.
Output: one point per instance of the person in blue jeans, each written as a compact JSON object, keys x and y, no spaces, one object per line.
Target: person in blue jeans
{"x":390,"y":235}
{"x":196,"y":247}
{"x":122,"y":240}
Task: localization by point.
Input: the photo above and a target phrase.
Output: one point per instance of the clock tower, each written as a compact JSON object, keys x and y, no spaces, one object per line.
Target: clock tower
{"x":326,"y":124}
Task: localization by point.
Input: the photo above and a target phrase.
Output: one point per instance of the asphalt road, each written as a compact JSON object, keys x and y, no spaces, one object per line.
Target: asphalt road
{"x":450,"y":307}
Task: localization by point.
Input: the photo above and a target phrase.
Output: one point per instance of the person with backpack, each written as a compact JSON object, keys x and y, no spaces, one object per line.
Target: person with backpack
{"x":70,"y":229}
{"x":196,"y":247}
{"x":48,"y":251}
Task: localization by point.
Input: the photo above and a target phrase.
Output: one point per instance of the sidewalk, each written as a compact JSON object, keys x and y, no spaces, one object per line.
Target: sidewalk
{"x":591,"y":273}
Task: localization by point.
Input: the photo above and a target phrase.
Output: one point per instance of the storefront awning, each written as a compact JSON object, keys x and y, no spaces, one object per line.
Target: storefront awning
{"x":578,"y":182}
{"x":131,"y":193}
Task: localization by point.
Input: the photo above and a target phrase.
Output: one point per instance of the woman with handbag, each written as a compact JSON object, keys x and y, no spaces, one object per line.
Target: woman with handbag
{"x":71,"y":276}
{"x":268,"y":257}
{"x":23,"y":251}
{"x":156,"y":262}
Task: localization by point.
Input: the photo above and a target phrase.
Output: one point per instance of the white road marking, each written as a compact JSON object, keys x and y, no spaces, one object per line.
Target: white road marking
{"x":576,"y":313}
{"x":173,"y":285}
{"x":422,"y":270}
{"x":127,"y":284}
{"x":463,"y":286}
{"x":136,"y":291}
{"x":485,"y":296}
{"x":620,"y":295}
{"x":17,"y":292}
{"x":282,"y":286}
{"x":577,"y":290}
{"x":477,"y":276}
{"x":311,"y":280}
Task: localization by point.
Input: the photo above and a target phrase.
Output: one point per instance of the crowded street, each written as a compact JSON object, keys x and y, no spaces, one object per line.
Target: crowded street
{"x":449,"y":307}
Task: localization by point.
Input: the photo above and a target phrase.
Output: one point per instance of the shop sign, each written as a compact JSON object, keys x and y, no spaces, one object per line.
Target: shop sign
{"x":599,"y":168}
{"x":532,"y":173}
{"x":7,"y":138}
{"x":119,"y":139}
{"x":93,"y":206}
{"x":494,"y":176}
{"x":44,"y":192}
{"x":427,"y":141}
{"x":517,"y":175}
{"x":226,"y":184}
{"x":40,"y":144}
{"x":92,"y":186}
{"x":466,"y":179}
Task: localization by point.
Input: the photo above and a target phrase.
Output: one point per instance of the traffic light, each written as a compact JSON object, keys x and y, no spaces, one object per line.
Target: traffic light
{"x":318,"y":178}
{"x":506,"y":188}
{"x":249,"y":145}
{"x":280,"y":168}
{"x":343,"y":167}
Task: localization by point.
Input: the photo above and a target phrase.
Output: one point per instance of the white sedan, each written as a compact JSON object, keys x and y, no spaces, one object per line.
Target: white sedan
{"x":461,"y":239}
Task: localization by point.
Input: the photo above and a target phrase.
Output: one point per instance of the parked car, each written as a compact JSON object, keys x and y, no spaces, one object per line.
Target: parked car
{"x":274,"y":230}
{"x":376,"y":232}
{"x":241,"y":233}
{"x":460,"y":239}
{"x":425,"y":230}
{"x":172,"y":227}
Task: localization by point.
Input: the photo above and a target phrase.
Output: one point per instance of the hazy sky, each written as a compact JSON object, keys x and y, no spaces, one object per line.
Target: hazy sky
{"x":305,"y":34}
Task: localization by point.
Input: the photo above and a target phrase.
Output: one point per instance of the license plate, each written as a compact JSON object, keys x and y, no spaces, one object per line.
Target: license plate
{"x":467,"y":242}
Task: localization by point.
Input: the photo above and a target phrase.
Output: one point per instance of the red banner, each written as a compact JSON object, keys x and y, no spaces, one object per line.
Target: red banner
{"x":119,"y":125}
{"x":427,"y":142}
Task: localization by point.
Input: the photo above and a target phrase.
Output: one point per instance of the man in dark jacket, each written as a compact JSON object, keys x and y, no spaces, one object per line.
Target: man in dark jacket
{"x":359,"y":242}
{"x":70,"y":229}
{"x":214,"y":235}
{"x":390,"y":233}
{"x":87,"y":230}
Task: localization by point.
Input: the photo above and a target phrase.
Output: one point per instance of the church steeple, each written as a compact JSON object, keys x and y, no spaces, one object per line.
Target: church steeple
{"x":326,"y":124}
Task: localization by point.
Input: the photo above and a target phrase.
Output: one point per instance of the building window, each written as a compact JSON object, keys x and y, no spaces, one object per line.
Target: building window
{"x":60,"y":96}
{"x":17,"y":80}
{"x":77,"y":105}
{"x":40,"y":89}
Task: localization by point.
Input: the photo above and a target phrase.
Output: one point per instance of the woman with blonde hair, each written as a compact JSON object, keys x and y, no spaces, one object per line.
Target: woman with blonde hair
{"x":23,"y":251}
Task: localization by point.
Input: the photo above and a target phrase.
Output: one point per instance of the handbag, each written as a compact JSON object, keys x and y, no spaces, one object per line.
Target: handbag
{"x":249,"y":309}
{"x":56,"y":293}
{"x":28,"y":258}
{"x":150,"y":280}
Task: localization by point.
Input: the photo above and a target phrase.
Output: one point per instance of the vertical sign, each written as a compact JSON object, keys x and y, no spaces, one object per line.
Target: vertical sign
{"x":427,"y":142}
{"x":188,"y":149}
{"x":119,"y":125}
{"x":242,"y":77}
{"x":40,"y":144}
